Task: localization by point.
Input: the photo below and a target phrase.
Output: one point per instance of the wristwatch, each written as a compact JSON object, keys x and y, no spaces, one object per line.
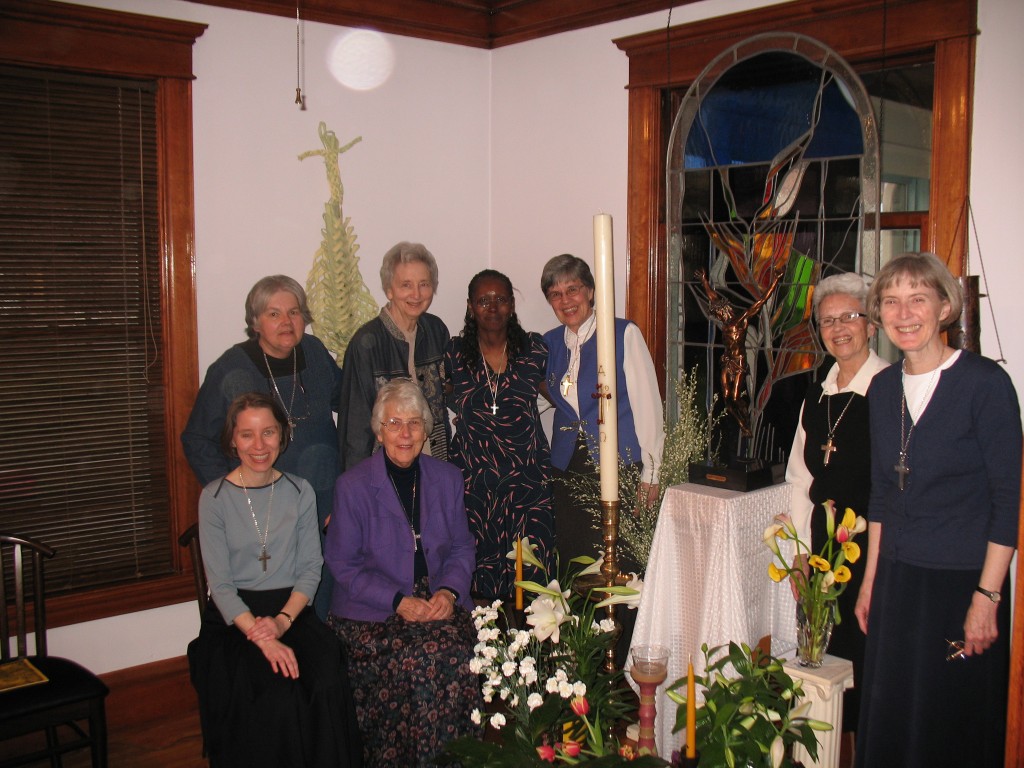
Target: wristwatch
{"x":995,"y":597}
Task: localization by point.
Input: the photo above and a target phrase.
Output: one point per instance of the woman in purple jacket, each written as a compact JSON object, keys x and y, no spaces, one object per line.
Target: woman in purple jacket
{"x":402,"y":557}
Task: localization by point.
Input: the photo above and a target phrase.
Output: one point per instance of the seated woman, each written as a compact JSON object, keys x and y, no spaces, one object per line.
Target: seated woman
{"x":271,"y":678}
{"x":402,"y":558}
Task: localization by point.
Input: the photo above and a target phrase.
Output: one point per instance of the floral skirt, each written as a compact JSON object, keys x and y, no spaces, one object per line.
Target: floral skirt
{"x":412,"y":686}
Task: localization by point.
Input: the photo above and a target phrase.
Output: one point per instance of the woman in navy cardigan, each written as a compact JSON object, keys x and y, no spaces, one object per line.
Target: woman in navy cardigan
{"x":402,"y":557}
{"x":945,"y":495}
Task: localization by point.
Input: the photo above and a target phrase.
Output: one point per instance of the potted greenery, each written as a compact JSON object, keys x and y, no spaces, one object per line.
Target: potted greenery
{"x":751,"y":714}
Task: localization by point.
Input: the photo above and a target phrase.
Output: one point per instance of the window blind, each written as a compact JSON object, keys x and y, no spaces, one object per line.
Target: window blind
{"x":82,"y":432}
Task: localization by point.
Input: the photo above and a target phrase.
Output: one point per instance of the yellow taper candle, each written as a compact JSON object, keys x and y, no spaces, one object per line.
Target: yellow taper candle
{"x":691,"y":711}
{"x":519,"y":574}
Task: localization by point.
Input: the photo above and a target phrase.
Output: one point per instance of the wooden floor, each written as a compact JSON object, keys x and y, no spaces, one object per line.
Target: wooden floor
{"x":152,"y":722}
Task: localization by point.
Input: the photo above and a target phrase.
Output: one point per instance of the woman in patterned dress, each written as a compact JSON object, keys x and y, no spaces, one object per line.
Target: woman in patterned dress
{"x":496,"y":372}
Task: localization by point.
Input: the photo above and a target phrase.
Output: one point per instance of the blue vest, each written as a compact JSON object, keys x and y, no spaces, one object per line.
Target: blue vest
{"x":566,"y":427}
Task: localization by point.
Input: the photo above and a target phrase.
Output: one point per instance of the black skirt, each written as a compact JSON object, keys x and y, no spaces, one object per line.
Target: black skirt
{"x":918,"y":709}
{"x":252,"y":716}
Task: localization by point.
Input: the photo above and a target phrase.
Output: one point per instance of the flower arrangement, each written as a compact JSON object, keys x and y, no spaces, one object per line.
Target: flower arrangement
{"x":751,"y":714}
{"x":546,"y":686}
{"x":688,"y":439}
{"x":818,"y":578}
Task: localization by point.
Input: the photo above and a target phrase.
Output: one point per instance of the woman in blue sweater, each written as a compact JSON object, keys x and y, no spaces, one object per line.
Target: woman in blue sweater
{"x":945,"y":494}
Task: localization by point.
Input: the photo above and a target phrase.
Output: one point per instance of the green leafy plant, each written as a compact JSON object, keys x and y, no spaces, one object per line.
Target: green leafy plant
{"x":688,"y":439}
{"x":549,"y":693}
{"x":751,"y":714}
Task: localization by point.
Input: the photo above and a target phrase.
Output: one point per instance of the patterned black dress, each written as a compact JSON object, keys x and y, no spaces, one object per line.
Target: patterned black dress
{"x":505,"y":460}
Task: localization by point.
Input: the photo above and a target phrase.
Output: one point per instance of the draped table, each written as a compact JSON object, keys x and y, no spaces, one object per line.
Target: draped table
{"x":707,"y":582}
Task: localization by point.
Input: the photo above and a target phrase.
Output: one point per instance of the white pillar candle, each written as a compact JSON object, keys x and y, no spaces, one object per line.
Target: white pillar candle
{"x":604,"y":307}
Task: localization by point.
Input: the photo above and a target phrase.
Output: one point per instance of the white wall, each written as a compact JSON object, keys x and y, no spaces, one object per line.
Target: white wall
{"x":490,"y":158}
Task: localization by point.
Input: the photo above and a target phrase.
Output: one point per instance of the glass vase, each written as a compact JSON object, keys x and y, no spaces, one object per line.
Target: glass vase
{"x":814,"y":622}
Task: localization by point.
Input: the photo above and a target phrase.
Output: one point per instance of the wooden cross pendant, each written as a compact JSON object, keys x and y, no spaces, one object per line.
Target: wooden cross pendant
{"x":902,"y":469}
{"x":263,"y":559}
{"x":829,"y":448}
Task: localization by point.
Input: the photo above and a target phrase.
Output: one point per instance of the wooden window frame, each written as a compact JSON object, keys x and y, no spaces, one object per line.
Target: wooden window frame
{"x":81,"y":39}
{"x":865,"y":33}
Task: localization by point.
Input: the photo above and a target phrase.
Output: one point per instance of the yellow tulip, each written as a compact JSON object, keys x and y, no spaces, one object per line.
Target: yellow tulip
{"x":852,"y":551}
{"x":820,"y":563}
{"x":843,"y":574}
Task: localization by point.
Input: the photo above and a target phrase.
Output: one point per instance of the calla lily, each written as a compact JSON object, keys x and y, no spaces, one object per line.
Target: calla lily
{"x":830,"y":517}
{"x":788,"y":529}
{"x":777,"y":574}
{"x":770,"y":537}
{"x":843,"y":574}
{"x":529,"y":554}
{"x":851,"y":550}
{"x":820,"y":563}
{"x":827,"y":580}
{"x":860,"y":525}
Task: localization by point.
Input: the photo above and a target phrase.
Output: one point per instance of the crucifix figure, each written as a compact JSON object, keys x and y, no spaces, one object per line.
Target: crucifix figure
{"x":733,"y":324}
{"x":902,"y":469}
{"x":263,"y":559}
{"x":828,"y":448}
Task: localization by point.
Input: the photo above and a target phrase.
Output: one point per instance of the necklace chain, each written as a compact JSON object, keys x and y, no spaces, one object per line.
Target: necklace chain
{"x":409,"y":513}
{"x":493,"y":388}
{"x":830,"y":447}
{"x":261,"y":535}
{"x":295,"y":385}
{"x":901,"y":467}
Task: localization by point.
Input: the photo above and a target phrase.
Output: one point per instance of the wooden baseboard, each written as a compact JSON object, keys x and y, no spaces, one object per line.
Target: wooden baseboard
{"x":148,"y":692}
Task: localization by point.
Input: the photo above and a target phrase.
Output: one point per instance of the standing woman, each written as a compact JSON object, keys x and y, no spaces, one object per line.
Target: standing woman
{"x":831,"y":455}
{"x":568,"y":285}
{"x":281,"y":360}
{"x":271,"y":679}
{"x":404,"y":341}
{"x":496,"y":371}
{"x":945,"y":495}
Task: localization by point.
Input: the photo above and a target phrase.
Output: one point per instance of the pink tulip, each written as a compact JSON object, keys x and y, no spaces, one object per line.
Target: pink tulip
{"x":571,"y":748}
{"x":546,"y":753}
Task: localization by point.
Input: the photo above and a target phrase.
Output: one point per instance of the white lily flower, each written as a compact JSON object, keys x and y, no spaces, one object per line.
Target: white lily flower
{"x":546,"y":616}
{"x":529,"y":554}
{"x":778,"y":751}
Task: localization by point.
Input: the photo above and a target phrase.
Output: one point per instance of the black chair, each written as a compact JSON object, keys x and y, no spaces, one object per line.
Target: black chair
{"x":72,"y":695}
{"x":190,"y":539}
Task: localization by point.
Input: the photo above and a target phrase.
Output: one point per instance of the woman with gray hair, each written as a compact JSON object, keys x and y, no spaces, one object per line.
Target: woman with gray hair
{"x":942,"y":528}
{"x":402,"y":555}
{"x":404,"y":340}
{"x":282,"y":360}
{"x":831,"y":456}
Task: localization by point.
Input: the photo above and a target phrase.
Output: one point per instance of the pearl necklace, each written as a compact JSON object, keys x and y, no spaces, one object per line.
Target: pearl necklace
{"x":260,"y":535}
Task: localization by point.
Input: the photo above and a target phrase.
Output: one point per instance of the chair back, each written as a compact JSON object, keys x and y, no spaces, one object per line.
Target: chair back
{"x":190,"y":539}
{"x":21,"y":579}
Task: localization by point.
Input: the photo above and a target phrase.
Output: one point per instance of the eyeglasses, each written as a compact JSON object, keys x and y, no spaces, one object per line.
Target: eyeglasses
{"x":846,"y":318}
{"x":571,"y":292}
{"x":486,"y":302}
{"x":395,"y":425}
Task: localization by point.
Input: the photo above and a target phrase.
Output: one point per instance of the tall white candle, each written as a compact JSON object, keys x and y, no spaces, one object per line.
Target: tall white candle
{"x":604,"y":307}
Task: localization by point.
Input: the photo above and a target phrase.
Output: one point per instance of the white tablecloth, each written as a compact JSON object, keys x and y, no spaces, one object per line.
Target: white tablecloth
{"x":707,"y":582}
